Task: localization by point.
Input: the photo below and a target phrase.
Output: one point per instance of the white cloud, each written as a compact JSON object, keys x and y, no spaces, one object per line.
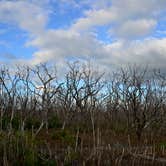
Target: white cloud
{"x":63,"y":44}
{"x":128,"y":19}
{"x":135,"y":28}
{"x":94,"y":18}
{"x":139,"y":16}
{"x":23,"y":14}
{"x":150,"y":51}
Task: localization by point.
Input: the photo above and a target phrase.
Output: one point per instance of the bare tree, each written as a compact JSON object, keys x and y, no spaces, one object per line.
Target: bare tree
{"x":46,"y":87}
{"x":137,"y":95}
{"x":84,"y":84}
{"x":9,"y":81}
{"x":66,"y":100}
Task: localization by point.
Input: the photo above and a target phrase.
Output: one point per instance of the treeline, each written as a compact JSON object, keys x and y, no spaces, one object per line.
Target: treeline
{"x":84,"y":117}
{"x":31,"y":96}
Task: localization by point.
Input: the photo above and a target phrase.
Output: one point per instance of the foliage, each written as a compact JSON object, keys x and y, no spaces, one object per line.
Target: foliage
{"x":64,"y":136}
{"x":6,"y":122}
{"x":32,"y":122}
{"x":54,"y":122}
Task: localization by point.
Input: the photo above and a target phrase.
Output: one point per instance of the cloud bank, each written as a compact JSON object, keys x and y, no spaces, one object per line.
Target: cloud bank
{"x":131,"y":27}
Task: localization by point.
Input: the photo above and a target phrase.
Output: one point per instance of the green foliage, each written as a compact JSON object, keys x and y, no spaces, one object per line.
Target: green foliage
{"x":162,"y":144}
{"x":6,"y":121}
{"x":32,"y":121}
{"x":30,"y":157}
{"x":47,"y":163}
{"x":22,"y":149}
{"x":64,"y":136}
{"x":16,"y":122}
{"x":54,"y":122}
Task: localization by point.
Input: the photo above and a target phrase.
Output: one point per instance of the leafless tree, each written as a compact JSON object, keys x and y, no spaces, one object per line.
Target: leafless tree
{"x":84,"y":84}
{"x":46,"y":87}
{"x":137,"y":95}
{"x":9,"y":81}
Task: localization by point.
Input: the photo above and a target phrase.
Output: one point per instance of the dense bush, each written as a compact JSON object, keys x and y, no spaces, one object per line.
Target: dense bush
{"x":64,"y":136}
{"x":54,"y":122}
{"x":6,"y":122}
{"x":32,"y":122}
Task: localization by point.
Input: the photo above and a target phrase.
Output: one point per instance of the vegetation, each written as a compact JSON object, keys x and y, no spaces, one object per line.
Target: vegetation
{"x":83,"y":118}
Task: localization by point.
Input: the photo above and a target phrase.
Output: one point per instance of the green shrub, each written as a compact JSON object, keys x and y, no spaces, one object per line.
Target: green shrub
{"x":16,"y":122}
{"x":30,"y":157}
{"x":32,"y":121}
{"x":6,"y":121}
{"x":63,"y":136}
{"x":54,"y":122}
{"x":47,"y":163}
{"x":162,"y":144}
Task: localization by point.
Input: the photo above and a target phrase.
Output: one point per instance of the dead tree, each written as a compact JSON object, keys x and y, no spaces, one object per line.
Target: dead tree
{"x":46,"y":87}
{"x":9,"y":82}
{"x":85,"y":85}
{"x":66,"y":100}
{"x":25,"y":95}
{"x":139,"y":98}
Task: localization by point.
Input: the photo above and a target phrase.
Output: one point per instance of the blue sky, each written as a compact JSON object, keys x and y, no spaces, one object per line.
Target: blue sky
{"x":109,"y":32}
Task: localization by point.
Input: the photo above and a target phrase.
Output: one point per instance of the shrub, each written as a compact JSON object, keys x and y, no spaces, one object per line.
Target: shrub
{"x":6,"y":122}
{"x":54,"y":122}
{"x":32,"y":121}
{"x":162,"y":144}
{"x":63,"y":136}
{"x":47,"y":162}
{"x":16,"y":122}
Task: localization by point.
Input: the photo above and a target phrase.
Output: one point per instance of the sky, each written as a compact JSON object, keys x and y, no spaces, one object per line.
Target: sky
{"x":110,"y":33}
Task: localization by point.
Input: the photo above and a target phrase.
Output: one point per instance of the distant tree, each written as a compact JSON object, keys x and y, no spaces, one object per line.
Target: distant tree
{"x":46,"y":87}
